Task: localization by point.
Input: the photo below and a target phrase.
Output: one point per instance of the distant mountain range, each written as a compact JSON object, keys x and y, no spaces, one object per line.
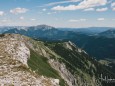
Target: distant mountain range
{"x":109,"y":33}
{"x":6,"y":28}
{"x":3,"y":29}
{"x":96,"y":40}
{"x":25,"y":61}
{"x":88,"y":31}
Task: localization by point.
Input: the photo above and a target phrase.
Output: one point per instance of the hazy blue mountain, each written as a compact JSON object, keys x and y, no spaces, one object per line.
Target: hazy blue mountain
{"x":3,"y":29}
{"x":43,"y":31}
{"x":6,"y":28}
{"x":88,"y":31}
{"x":109,"y":33}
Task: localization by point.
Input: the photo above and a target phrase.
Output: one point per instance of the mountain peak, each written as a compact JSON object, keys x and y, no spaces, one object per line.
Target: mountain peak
{"x":109,"y":33}
{"x":43,"y":26}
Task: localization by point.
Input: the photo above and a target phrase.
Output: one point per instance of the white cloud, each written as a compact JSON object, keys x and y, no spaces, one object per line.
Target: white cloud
{"x":49,"y":13}
{"x":113,"y":9}
{"x":70,"y":7}
{"x":18,"y":10}
{"x":101,"y":19}
{"x":102,"y":9}
{"x":82,"y":5}
{"x":113,"y":4}
{"x":73,"y":20}
{"x":5,"y":20}
{"x":22,"y":18}
{"x":77,"y":20}
{"x":83,"y":19}
{"x":1,"y":13}
{"x":33,"y":19}
{"x":44,"y":9}
{"x":60,"y":2}
{"x":89,"y":9}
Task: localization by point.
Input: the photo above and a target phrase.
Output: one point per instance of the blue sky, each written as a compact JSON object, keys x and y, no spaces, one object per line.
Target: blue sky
{"x":58,"y":13}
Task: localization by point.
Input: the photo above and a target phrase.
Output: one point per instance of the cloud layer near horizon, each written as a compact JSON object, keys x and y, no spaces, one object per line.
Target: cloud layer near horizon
{"x":82,"y":5}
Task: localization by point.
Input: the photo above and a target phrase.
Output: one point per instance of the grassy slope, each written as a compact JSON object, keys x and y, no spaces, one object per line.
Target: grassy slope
{"x":80,"y":61}
{"x":40,"y":65}
{"x":73,"y":60}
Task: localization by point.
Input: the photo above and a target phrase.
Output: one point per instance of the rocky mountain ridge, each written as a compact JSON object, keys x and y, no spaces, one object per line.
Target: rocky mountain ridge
{"x":25,"y":61}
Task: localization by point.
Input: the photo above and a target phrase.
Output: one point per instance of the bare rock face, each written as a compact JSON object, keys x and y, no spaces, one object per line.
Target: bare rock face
{"x":64,"y":72}
{"x":14,"y":69}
